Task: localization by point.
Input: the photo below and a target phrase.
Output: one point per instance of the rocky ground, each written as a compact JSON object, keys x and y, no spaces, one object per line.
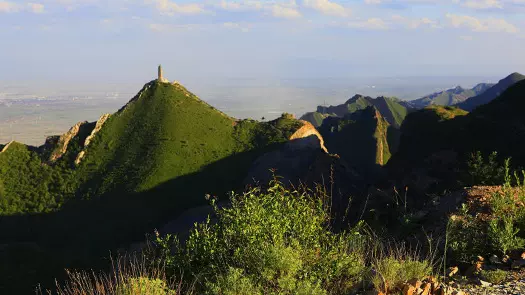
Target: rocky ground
{"x":514,"y":286}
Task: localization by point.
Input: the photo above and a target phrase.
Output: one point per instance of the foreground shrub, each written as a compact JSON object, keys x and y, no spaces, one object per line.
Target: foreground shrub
{"x":500,"y":231}
{"x":271,"y":241}
{"x":398,"y":267}
{"x":494,"y":276}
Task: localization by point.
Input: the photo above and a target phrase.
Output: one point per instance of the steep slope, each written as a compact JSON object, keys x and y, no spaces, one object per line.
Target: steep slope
{"x":491,"y":93}
{"x":390,"y":108}
{"x":449,"y":97}
{"x":26,"y":185}
{"x":360,"y":139}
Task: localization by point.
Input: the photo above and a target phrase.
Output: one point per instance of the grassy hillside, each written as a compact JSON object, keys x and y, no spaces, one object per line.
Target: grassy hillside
{"x":315,"y":118}
{"x":450,"y":97}
{"x":155,"y":158}
{"x":492,"y":93}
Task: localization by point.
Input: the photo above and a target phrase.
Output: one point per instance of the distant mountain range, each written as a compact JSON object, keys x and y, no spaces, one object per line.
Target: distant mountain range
{"x":449,"y":97}
{"x":490,"y":94}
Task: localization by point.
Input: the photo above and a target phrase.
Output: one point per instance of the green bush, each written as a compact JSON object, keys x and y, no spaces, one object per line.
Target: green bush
{"x":234,"y":282}
{"x":471,"y":236}
{"x":393,"y":270}
{"x":272,"y":241}
{"x":503,"y":234}
{"x":467,"y":237}
{"x":485,"y":171}
{"x":143,"y":285}
{"x":494,"y":276}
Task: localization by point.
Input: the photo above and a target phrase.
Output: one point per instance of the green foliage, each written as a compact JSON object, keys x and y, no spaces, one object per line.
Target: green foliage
{"x":496,"y":276}
{"x":28,"y":185}
{"x":503,"y":230}
{"x":142,"y":285}
{"x":273,"y":241}
{"x":393,"y":270}
{"x":233,"y":282}
{"x":485,"y":172}
{"x":467,"y":237}
{"x":503,"y":234}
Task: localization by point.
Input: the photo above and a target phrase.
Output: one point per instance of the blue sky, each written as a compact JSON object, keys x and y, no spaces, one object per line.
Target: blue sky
{"x":124,"y":40}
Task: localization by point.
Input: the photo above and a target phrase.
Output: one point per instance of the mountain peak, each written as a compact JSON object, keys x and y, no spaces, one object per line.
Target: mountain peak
{"x":513,"y":78}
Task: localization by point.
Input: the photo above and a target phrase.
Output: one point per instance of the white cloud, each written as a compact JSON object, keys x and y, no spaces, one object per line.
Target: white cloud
{"x":481,"y":25}
{"x":285,"y":12}
{"x":237,"y":26}
{"x":241,"y":5}
{"x":481,"y":4}
{"x":370,"y":24}
{"x":327,"y":7}
{"x":8,"y":7}
{"x":171,"y":8}
{"x":35,"y":7}
{"x":416,"y":22}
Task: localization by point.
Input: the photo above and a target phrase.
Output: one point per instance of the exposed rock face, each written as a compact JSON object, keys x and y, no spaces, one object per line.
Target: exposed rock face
{"x":304,"y":159}
{"x":6,"y":146}
{"x":64,"y":141}
{"x":305,"y":132}
{"x":97,"y":128}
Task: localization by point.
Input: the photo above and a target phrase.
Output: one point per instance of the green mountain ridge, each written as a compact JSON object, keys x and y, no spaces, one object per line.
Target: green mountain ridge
{"x":390,"y":108}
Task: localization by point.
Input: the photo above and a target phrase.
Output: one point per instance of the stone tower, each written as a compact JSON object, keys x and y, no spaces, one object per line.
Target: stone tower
{"x":161,"y":75}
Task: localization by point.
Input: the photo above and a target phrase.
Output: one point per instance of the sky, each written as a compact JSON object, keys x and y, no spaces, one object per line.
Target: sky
{"x":125,"y":40}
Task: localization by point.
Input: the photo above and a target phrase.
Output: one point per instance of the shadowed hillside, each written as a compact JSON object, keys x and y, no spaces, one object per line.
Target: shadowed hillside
{"x":360,"y":138}
{"x":438,"y":141}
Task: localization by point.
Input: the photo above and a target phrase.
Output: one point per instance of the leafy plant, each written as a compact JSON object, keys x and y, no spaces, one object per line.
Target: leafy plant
{"x":496,"y":276}
{"x":274,"y":241}
{"x":483,"y":171}
{"x":503,"y":234}
{"x":393,"y":270}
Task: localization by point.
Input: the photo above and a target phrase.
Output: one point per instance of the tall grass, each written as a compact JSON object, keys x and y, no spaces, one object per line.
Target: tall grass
{"x":129,"y":276}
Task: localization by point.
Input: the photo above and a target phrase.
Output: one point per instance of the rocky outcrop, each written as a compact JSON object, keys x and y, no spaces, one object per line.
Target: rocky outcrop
{"x":7,"y":146}
{"x":305,"y":133}
{"x":64,"y":141}
{"x":97,"y":128}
